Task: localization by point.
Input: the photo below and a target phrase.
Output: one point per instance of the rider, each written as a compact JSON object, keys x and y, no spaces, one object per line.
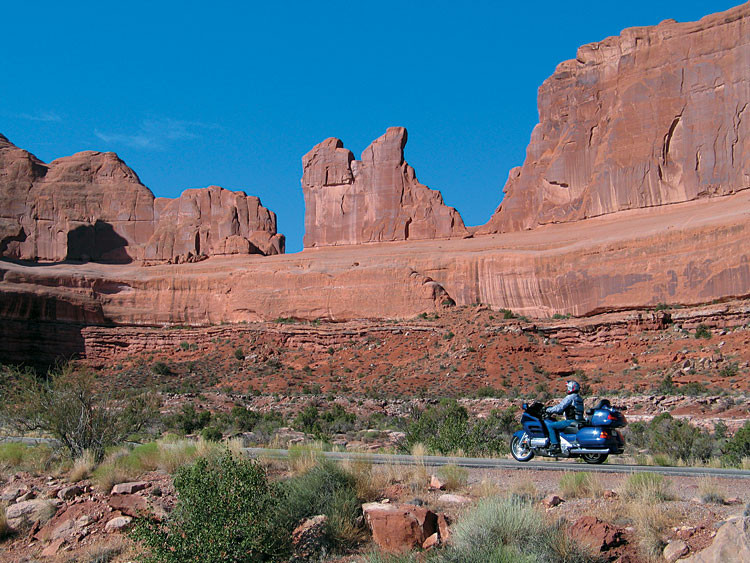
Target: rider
{"x":572,"y":406}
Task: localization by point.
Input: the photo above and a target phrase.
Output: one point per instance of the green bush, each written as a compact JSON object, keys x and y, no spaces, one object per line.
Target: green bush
{"x":161,"y":368}
{"x":738,"y":446}
{"x":226,"y":511}
{"x":211,"y":434}
{"x":446,"y":428}
{"x":675,"y":438}
{"x":702,"y":331}
{"x":335,"y":420}
{"x":188,"y":419}
{"x":325,"y":489}
{"x":239,"y":353}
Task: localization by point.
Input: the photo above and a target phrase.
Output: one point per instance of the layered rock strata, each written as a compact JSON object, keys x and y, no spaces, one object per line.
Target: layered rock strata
{"x":92,"y":206}
{"x":693,"y":252}
{"x":658,"y":115}
{"x":375,"y":199}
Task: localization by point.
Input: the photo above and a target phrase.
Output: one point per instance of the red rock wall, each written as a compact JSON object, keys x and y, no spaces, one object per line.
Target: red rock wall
{"x":375,"y":199}
{"x":92,"y":206}
{"x":656,"y":116}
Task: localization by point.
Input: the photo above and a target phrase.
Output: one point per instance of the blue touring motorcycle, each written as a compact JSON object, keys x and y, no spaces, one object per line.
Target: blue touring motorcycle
{"x":593,"y":439}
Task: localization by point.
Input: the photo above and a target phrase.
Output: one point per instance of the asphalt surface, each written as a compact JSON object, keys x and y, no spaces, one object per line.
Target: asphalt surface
{"x":509,"y":464}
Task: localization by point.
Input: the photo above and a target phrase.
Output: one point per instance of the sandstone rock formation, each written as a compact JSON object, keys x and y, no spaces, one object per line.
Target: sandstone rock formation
{"x":377,"y":198}
{"x":656,"y":116}
{"x":92,"y":206}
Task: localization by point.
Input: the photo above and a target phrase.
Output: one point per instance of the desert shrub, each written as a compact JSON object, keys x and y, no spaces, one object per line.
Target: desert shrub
{"x":507,"y":530}
{"x":67,"y":404}
{"x":702,"y":331}
{"x":578,"y":484}
{"x":226,"y":510}
{"x":325,"y":489}
{"x":730,"y":369}
{"x":507,"y":314}
{"x":489,"y":391}
{"x":647,"y":487}
{"x":666,"y":385}
{"x":446,"y":428}
{"x":453,"y":476}
{"x":738,"y":446}
{"x":675,"y":438}
{"x":161,"y":368}
{"x":650,"y":520}
{"x":245,"y":419}
{"x":211,"y":434}
{"x":239,"y":354}
{"x":188,"y":419}
{"x":324,"y":424}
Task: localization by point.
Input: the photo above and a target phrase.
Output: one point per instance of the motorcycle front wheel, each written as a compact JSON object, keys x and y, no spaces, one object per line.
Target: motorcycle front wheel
{"x":520,"y":449}
{"x":594,"y":458}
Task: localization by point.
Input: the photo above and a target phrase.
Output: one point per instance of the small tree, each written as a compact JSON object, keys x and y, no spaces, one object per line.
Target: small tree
{"x":67,"y":404}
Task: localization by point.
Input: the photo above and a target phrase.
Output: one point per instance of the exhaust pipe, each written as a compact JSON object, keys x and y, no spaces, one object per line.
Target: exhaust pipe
{"x":589,"y":451}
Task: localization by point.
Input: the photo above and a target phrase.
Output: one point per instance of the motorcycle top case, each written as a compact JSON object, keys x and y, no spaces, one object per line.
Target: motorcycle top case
{"x":609,"y":418}
{"x":590,"y":437}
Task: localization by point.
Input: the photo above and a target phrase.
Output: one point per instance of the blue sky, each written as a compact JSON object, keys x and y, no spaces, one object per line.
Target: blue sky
{"x":191,"y":94}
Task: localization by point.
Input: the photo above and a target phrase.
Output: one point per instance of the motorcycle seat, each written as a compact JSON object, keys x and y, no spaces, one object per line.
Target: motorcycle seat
{"x":573,"y":427}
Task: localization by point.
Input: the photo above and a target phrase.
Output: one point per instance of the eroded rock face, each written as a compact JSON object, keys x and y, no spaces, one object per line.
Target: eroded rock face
{"x":377,"y":198}
{"x":656,"y":116}
{"x":92,"y":206}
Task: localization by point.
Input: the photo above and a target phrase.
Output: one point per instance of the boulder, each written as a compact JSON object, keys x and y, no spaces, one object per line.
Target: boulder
{"x":731,"y":543}
{"x":22,"y":515}
{"x":436,"y":484}
{"x":399,"y":528}
{"x":375,"y":199}
{"x":118,"y":524}
{"x":309,"y":538}
{"x":52,"y":549}
{"x":551,"y":501}
{"x":674,"y":550}
{"x":129,"y":488}
{"x":70,"y":492}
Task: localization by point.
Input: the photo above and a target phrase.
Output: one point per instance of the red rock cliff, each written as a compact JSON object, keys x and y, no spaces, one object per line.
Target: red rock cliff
{"x":377,"y":198}
{"x":656,"y":116}
{"x":93,"y":206}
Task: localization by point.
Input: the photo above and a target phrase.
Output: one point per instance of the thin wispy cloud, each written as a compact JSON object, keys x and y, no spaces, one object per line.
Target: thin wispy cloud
{"x":46,"y":116}
{"x":157,"y":134}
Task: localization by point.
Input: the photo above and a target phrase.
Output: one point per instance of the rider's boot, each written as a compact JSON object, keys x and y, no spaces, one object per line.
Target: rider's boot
{"x":554,"y":450}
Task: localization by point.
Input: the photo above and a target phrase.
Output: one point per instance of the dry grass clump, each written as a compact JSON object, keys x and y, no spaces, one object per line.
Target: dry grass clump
{"x":453,"y":476}
{"x":486,"y":488}
{"x":525,"y":489}
{"x":83,"y":467}
{"x":580,"y":484}
{"x":4,"y":529}
{"x":647,"y":487}
{"x":365,"y":484}
{"x":651,"y":521}
{"x":710,"y":490}
{"x":108,"y":550}
{"x":35,"y":459}
{"x":303,"y":457}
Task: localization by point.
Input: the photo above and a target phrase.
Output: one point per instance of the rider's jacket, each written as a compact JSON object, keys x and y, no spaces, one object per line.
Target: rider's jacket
{"x":572,"y":406}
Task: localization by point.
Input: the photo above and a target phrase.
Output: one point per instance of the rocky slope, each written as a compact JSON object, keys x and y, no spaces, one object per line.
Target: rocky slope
{"x":658,"y":115}
{"x":92,"y":206}
{"x":375,"y":199}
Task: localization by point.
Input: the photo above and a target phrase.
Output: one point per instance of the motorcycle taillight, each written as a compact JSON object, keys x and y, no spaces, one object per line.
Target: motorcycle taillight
{"x":604,"y":435}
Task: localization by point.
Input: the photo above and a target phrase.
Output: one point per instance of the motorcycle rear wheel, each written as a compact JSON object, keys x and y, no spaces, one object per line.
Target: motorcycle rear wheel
{"x":519,"y":450}
{"x":594,"y":458}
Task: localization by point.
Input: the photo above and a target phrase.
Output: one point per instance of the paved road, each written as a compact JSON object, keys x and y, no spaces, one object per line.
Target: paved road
{"x":510,"y":464}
